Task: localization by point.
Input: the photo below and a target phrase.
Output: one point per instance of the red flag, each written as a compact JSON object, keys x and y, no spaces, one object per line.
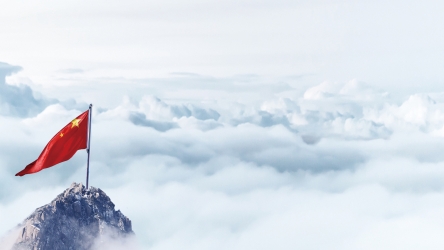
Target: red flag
{"x":62,"y":146}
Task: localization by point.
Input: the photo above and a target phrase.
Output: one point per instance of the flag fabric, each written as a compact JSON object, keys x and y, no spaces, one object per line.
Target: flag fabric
{"x":62,"y":146}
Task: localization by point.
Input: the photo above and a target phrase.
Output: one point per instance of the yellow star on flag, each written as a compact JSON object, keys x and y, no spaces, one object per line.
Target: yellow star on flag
{"x":75,"y":123}
{"x":61,"y":134}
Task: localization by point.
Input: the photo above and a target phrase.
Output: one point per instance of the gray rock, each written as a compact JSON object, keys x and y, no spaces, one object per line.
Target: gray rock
{"x":76,"y":219}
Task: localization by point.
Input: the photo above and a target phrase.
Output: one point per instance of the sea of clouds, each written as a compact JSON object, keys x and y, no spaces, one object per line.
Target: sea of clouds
{"x":235,"y":163}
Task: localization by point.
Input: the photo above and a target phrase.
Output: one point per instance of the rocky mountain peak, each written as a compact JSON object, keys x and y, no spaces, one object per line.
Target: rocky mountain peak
{"x":76,"y":219}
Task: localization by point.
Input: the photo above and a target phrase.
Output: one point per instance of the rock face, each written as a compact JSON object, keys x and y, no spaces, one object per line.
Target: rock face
{"x":76,"y":219}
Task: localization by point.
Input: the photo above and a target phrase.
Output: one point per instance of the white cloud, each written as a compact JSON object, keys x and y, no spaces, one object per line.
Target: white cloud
{"x":7,"y":240}
{"x":321,"y":91}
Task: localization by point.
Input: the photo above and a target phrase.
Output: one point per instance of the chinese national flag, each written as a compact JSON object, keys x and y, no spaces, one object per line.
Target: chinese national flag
{"x":62,"y":146}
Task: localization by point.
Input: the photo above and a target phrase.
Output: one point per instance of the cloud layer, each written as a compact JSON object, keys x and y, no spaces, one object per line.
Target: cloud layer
{"x":337,"y":166}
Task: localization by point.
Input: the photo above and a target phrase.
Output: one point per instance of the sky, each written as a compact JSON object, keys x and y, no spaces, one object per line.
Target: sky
{"x":234,"y":124}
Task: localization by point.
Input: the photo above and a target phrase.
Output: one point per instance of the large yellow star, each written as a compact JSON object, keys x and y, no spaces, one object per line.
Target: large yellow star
{"x":75,"y":123}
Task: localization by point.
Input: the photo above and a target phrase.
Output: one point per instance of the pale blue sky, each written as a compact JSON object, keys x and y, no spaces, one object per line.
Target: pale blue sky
{"x":391,"y":44}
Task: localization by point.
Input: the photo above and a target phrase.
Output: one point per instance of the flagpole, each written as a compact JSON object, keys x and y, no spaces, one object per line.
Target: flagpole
{"x":88,"y":149}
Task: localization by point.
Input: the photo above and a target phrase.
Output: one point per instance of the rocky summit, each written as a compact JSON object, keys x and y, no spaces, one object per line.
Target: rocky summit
{"x":77,"y":219}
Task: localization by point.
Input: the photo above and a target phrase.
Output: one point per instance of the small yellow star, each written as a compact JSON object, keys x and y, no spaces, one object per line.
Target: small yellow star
{"x":75,"y":123}
{"x":61,"y":134}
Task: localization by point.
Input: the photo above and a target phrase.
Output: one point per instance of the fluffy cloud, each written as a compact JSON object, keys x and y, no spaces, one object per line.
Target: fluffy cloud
{"x":17,"y":100}
{"x":20,"y":100}
{"x":340,"y":166}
